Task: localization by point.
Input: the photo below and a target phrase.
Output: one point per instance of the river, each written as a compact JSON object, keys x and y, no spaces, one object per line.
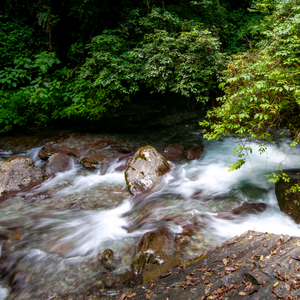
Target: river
{"x":57,"y":230}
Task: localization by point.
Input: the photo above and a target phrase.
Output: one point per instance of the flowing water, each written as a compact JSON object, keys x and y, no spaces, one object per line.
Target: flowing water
{"x":56,"y":231}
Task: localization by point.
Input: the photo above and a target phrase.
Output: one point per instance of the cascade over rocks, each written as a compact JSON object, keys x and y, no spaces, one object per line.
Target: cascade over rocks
{"x":145,"y":169}
{"x":157,"y":252}
{"x":17,"y":173}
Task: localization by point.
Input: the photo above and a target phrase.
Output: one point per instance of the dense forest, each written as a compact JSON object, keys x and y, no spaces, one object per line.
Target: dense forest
{"x":82,"y":59}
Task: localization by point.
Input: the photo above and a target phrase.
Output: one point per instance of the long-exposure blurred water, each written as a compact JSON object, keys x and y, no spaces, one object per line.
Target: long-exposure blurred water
{"x":54,"y":242}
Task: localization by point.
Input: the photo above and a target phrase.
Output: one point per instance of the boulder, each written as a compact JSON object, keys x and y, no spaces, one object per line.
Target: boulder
{"x":157,"y":252}
{"x":145,"y":170}
{"x":174,"y":152}
{"x":17,"y":173}
{"x":250,"y":266}
{"x":51,"y":149}
{"x":288,"y":201}
{"x":195,"y":152}
{"x":58,"y":162}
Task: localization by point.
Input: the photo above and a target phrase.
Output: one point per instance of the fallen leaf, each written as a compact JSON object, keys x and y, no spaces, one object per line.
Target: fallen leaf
{"x":225,"y":261}
{"x":132,"y":295}
{"x":273,"y":252}
{"x":208,"y":288}
{"x":230,"y":269}
{"x":148,"y":296}
{"x":275,"y":284}
{"x":242,"y":293}
{"x":265,"y":245}
{"x":17,"y":236}
{"x":287,"y":286}
{"x":189,"y":277}
{"x":165,"y":275}
{"x":278,"y":272}
{"x":261,"y":257}
{"x":124,"y":296}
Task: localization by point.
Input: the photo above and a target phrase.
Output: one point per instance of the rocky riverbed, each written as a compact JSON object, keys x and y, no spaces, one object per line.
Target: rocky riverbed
{"x":80,"y":231}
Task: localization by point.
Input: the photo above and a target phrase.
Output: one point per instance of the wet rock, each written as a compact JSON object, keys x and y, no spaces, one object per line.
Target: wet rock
{"x":157,"y":252}
{"x":195,"y":152}
{"x":108,"y":280}
{"x":17,"y":173}
{"x":107,"y":258}
{"x":58,"y":162}
{"x":98,"y":144}
{"x":51,"y":149}
{"x":96,"y":160}
{"x":145,"y":169}
{"x":174,"y":152}
{"x":288,"y":201}
{"x":247,"y":208}
{"x":250,"y":266}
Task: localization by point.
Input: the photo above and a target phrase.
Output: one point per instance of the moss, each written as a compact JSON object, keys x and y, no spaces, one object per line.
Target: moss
{"x":11,"y":158}
{"x":202,"y":256}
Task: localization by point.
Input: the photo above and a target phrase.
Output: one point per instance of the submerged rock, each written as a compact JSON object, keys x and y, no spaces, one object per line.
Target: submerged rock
{"x":250,"y":266}
{"x":17,"y":173}
{"x":107,"y":258}
{"x":96,"y":160}
{"x":145,"y":169}
{"x":50,"y":149}
{"x":58,"y":162}
{"x":157,"y":252}
{"x":174,"y":152}
{"x":195,"y":152}
{"x":288,"y":201}
{"x":247,"y":208}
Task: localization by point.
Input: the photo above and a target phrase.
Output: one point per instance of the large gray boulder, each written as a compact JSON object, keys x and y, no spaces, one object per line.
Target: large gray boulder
{"x":145,"y":170}
{"x":17,"y":173}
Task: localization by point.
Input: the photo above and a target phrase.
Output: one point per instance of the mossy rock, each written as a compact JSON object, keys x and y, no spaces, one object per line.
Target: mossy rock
{"x":145,"y":170}
{"x":288,"y":201}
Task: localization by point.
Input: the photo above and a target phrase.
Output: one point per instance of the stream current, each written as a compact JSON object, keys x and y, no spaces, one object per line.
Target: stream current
{"x":57,"y":230}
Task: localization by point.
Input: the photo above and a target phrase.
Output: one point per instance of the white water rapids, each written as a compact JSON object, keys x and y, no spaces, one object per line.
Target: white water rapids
{"x":193,"y":193}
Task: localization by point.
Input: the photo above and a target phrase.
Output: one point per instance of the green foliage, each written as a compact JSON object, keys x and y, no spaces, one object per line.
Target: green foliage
{"x":164,"y":53}
{"x":262,"y":86}
{"x":16,"y":40}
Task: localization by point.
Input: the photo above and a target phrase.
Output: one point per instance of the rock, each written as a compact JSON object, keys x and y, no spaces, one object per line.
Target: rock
{"x":157,"y":252}
{"x":145,"y":169}
{"x":174,"y":152}
{"x":195,"y":152}
{"x":51,"y":149}
{"x":250,"y":266}
{"x":95,"y":160}
{"x":289,"y":202}
{"x":58,"y":162}
{"x":247,"y":208}
{"x":107,"y":258}
{"x":17,"y":173}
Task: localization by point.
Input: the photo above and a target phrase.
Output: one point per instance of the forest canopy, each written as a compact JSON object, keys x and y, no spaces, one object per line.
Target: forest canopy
{"x":73,"y":58}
